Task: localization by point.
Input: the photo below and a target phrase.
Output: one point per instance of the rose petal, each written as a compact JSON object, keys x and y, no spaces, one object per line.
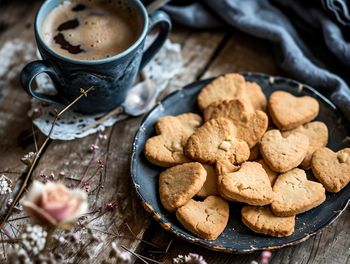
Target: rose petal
{"x":38,"y":214}
{"x":34,"y":191}
{"x":55,"y":196}
{"x":81,"y":208}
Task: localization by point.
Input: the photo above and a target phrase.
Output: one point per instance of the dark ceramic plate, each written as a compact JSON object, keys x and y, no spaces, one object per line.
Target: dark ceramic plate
{"x":236,"y":237}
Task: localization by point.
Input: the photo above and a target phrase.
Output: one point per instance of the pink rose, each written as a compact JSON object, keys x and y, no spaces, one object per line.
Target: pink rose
{"x":53,"y":204}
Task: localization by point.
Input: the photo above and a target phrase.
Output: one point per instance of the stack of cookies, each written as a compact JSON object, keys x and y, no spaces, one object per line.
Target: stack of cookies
{"x":245,"y":149}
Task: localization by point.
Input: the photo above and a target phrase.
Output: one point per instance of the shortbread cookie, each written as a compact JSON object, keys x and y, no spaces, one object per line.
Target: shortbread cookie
{"x":251,"y":125}
{"x":254,"y":153}
{"x":270,"y":173}
{"x":225,"y":87}
{"x":210,"y":184}
{"x":206,"y":219}
{"x":283,"y":153}
{"x":216,"y":140}
{"x":250,"y":184}
{"x":256,"y":97}
{"x":223,"y":167}
{"x":332,"y":169}
{"x":262,"y":220}
{"x":177,"y":185}
{"x":166,"y":149}
{"x":295,"y":194}
{"x":317,"y":132}
{"x":288,"y":111}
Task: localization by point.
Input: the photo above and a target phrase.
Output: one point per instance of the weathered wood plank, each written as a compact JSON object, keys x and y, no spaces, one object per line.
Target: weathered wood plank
{"x":14,"y":102}
{"x":244,"y":53}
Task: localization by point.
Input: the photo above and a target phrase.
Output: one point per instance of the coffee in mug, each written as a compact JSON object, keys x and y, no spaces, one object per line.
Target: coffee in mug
{"x":91,"y":29}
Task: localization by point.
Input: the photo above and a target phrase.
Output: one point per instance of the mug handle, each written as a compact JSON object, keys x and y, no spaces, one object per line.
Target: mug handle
{"x":161,"y":18}
{"x":29,"y":73}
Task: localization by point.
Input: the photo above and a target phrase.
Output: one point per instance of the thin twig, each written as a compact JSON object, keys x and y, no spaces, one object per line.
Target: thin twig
{"x":136,"y":255}
{"x":17,"y":218}
{"x":168,"y":247}
{"x":31,"y":168}
{"x":99,"y":121}
{"x":126,"y":237}
{"x":34,"y":137}
{"x":9,"y":241}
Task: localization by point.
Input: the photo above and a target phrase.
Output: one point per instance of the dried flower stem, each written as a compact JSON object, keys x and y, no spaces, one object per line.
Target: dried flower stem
{"x":10,"y":241}
{"x":136,"y":255}
{"x":30,"y":169}
{"x":50,"y":231}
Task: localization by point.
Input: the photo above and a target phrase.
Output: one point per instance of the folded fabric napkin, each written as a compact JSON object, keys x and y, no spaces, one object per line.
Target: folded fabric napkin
{"x":313,"y":46}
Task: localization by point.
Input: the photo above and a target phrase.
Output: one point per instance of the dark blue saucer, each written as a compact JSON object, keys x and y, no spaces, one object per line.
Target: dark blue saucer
{"x":236,"y":237}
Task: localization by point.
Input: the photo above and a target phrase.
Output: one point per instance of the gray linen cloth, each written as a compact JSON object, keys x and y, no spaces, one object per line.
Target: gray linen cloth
{"x":322,"y":63}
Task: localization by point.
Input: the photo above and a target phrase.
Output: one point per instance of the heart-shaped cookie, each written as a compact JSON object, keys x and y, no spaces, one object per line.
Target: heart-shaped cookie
{"x":262,"y":220}
{"x":225,"y":87}
{"x":251,"y":125}
{"x":206,"y":219}
{"x":250,"y":184}
{"x":332,"y":169}
{"x":166,"y":149}
{"x":317,"y":132}
{"x":270,"y":173}
{"x":178,"y":184}
{"x":288,"y":111}
{"x":216,"y":140}
{"x":210,"y":184}
{"x":295,"y":194}
{"x":283,"y":153}
{"x":255,"y":96}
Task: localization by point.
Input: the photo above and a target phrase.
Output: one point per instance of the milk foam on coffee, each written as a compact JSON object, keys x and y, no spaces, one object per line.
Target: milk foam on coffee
{"x":91,"y":29}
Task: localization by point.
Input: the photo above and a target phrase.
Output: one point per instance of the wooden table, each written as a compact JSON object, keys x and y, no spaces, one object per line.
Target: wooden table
{"x":206,"y":54}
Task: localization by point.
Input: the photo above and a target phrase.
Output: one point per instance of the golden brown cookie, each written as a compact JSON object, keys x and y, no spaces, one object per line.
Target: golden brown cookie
{"x":210,"y":184}
{"x":216,"y":140}
{"x":166,"y":149}
{"x":223,"y":167}
{"x":332,"y":169}
{"x":317,"y":132}
{"x":251,"y":125}
{"x":262,"y":220}
{"x":206,"y":219}
{"x":288,"y":111}
{"x":225,"y":87}
{"x":295,"y":194}
{"x":255,"y":96}
{"x":250,"y":184}
{"x":270,"y":173}
{"x":178,"y":184}
{"x":283,"y":153}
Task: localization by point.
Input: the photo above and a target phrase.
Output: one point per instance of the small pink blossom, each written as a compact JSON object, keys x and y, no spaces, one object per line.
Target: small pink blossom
{"x":265,"y":257}
{"x":101,"y":164}
{"x":93,"y":147}
{"x":53,"y":204}
{"x":102,"y":136}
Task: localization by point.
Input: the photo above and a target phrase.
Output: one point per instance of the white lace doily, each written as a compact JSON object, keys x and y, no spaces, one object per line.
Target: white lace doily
{"x":166,"y":64}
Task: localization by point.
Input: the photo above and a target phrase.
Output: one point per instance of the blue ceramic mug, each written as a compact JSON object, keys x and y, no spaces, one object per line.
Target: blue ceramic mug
{"x":111,"y":77}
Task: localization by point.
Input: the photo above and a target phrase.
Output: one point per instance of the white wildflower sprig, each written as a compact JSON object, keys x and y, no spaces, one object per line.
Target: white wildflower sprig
{"x":191,"y":258}
{"x":33,"y":239}
{"x":5,"y":185}
{"x":28,"y":159}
